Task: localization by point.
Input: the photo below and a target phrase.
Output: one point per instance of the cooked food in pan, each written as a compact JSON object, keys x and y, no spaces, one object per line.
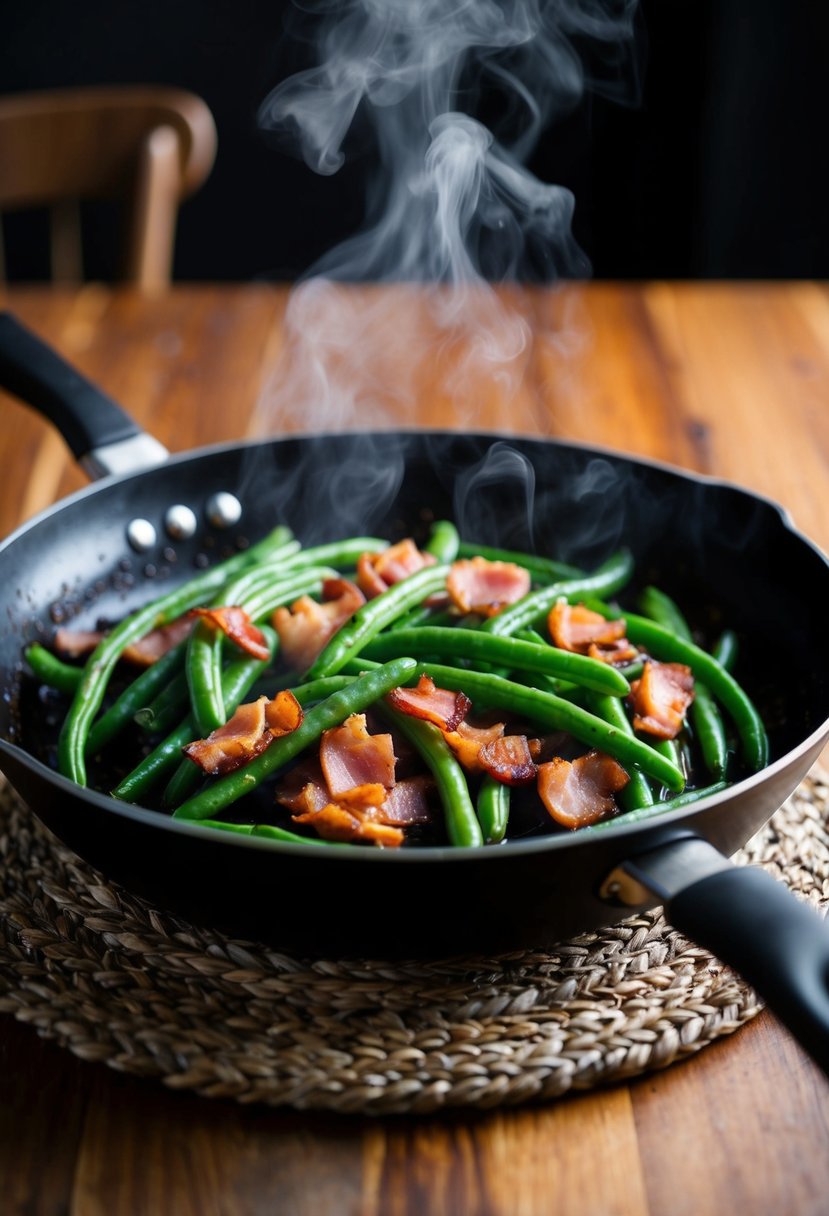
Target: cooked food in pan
{"x":367,"y":693}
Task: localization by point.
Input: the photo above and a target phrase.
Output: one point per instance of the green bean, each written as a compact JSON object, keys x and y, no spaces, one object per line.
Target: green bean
{"x":51,"y":670}
{"x":545,"y":568}
{"x":135,"y":696}
{"x":492,"y":806}
{"x":709,"y":728}
{"x":166,"y":708}
{"x":204,"y":678}
{"x":258,"y":597}
{"x":375,"y":615}
{"x":355,"y":698}
{"x":502,"y":651}
{"x":665,"y":645}
{"x":99,"y":667}
{"x":660,"y":808}
{"x":665,"y":611}
{"x":317,"y":690}
{"x":422,"y":614}
{"x":608,"y":579}
{"x":339,"y":553}
{"x":555,"y":713}
{"x":462,"y":825}
{"x":269,"y":831}
{"x":725,"y":651}
{"x":443,"y":541}
{"x":562,"y":688}
{"x":706,"y":718}
{"x":237,"y":679}
{"x":305,"y":581}
{"x":637,"y":792}
{"x":187,"y":776}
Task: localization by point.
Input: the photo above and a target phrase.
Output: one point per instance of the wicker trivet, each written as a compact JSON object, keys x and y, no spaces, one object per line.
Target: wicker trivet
{"x":114,"y":979}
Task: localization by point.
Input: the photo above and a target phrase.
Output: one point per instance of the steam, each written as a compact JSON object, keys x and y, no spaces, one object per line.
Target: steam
{"x":451,"y":207}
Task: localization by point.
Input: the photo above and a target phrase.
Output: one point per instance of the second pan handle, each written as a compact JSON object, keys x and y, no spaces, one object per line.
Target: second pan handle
{"x":99,"y":433}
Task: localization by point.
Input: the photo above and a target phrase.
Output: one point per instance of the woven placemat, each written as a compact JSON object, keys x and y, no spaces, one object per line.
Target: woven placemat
{"x":116,"y":980}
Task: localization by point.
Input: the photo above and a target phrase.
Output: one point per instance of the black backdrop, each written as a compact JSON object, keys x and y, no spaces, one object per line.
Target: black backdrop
{"x":719,"y":168}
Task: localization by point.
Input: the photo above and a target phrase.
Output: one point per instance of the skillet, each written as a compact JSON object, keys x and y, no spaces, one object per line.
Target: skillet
{"x":728,"y":556}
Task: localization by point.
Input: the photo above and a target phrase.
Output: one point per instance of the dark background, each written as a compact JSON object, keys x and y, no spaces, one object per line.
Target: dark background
{"x":718,"y":168}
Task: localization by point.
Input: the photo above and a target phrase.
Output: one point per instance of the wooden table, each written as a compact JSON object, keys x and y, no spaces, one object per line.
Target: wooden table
{"x":727,"y":379}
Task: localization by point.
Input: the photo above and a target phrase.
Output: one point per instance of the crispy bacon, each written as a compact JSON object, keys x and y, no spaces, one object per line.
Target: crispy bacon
{"x":478,"y":585}
{"x":337,"y":822}
{"x":75,"y":643}
{"x":352,"y":758}
{"x":306,"y":628}
{"x":576,"y":628}
{"x":580,"y":792}
{"x":661,"y":697}
{"x":304,"y":791}
{"x":376,"y":572}
{"x":508,"y":760}
{"x":467,"y":740}
{"x":620,"y":651}
{"x":249,"y":731}
{"x":408,"y":802}
{"x":441,"y":706}
{"x":237,"y":625}
{"x":302,"y":796}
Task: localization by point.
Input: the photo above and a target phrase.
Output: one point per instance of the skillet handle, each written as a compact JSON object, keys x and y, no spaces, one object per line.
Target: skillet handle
{"x":100,"y":435}
{"x":753,"y":923}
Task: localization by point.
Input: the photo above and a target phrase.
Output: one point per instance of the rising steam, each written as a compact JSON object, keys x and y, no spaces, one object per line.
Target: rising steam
{"x":450,"y":203}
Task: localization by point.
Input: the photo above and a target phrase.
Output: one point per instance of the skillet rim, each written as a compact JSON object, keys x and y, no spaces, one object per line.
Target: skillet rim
{"x":421,"y":854}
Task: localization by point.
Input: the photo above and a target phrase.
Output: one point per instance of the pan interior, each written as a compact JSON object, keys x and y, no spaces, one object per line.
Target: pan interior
{"x":729,"y":558}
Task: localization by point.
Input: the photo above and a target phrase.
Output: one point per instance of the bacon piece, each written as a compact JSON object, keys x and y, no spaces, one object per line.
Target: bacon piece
{"x":305,"y":629}
{"x":478,"y":585}
{"x":441,"y":706}
{"x":302,"y":798}
{"x":408,"y":802}
{"x":237,"y":625}
{"x":351,"y":757}
{"x":283,"y":713}
{"x":576,"y":628}
{"x":467,"y":740}
{"x":155,"y":644}
{"x":251,"y":729}
{"x":376,"y":572}
{"x":304,"y":791}
{"x":620,"y":651}
{"x":75,"y":643}
{"x":508,"y":760}
{"x":337,"y":822}
{"x":580,"y":792}
{"x":661,"y":697}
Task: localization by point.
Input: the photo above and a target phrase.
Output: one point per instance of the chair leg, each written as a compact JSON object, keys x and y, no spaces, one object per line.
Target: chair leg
{"x":150,"y":241}
{"x":67,"y":255}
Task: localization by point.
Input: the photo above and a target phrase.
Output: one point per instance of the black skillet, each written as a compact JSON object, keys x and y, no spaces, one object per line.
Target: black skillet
{"x":730,"y":557}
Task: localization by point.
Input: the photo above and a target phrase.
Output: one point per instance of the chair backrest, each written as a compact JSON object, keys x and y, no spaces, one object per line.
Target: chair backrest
{"x":149,"y":146}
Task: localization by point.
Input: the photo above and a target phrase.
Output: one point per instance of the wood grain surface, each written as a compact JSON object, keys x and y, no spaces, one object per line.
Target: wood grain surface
{"x":731,"y":380}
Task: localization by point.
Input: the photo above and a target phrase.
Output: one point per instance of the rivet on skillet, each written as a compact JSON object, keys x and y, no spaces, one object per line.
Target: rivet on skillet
{"x":180,"y":522}
{"x":141,"y":535}
{"x":223,"y":509}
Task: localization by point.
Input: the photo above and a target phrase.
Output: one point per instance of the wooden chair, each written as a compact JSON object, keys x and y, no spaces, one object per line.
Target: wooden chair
{"x":147,"y":146}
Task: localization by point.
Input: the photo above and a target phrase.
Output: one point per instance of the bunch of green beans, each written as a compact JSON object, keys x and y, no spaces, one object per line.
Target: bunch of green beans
{"x":504,"y":662}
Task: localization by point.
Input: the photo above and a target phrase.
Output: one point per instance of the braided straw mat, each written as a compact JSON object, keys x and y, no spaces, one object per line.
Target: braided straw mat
{"x":116,"y":980}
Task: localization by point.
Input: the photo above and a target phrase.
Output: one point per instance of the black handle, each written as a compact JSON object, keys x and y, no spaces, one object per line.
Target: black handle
{"x":780,"y":946}
{"x":31,"y":370}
